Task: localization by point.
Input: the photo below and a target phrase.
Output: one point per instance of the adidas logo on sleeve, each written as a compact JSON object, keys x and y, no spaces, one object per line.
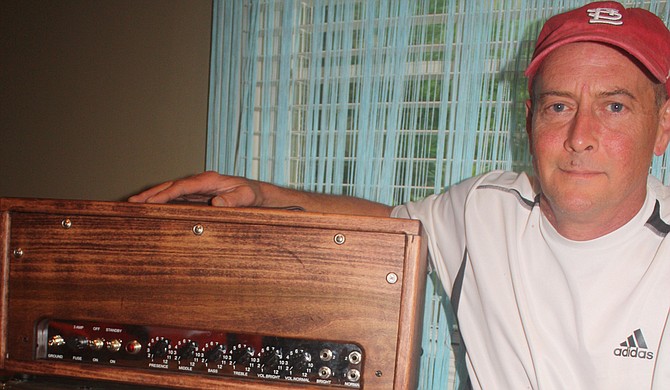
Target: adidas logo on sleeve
{"x":634,"y":346}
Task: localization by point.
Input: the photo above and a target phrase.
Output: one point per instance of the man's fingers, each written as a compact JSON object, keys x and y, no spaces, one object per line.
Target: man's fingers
{"x":144,"y":195}
{"x":180,"y":189}
{"x":240,"y":196}
{"x":210,"y":186}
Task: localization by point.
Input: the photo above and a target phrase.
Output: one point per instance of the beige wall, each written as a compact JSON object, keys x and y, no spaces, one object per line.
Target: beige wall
{"x":100,"y":98}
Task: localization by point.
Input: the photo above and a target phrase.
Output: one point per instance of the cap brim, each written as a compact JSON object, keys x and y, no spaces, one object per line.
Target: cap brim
{"x":629,"y":48}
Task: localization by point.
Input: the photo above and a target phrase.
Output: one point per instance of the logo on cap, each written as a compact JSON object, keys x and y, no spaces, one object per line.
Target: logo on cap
{"x":605,"y":16}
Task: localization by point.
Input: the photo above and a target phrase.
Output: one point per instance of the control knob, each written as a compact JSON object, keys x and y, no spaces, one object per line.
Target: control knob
{"x":269,"y":359}
{"x":300,"y":361}
{"x":187,"y":350}
{"x":242,"y":354}
{"x":160,"y":348}
{"x":215,"y":354}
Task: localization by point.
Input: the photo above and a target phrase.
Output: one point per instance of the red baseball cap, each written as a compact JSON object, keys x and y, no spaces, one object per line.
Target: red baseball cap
{"x":639,"y":32}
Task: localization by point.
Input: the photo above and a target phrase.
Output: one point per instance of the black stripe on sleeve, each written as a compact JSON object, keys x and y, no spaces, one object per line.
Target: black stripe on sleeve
{"x":657,"y":224}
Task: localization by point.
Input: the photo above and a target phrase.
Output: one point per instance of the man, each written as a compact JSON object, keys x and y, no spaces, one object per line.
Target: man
{"x":561,"y":281}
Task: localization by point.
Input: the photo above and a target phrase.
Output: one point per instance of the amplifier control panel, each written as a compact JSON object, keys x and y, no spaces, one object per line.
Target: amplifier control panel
{"x":203,"y":352}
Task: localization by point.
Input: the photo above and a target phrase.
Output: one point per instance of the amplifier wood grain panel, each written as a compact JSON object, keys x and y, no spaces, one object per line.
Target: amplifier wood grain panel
{"x":189,"y":296}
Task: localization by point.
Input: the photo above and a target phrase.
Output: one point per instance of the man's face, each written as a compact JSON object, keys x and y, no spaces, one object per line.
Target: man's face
{"x":594,"y":128}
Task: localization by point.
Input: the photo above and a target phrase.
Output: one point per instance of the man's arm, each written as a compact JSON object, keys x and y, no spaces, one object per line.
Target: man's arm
{"x":233,"y":191}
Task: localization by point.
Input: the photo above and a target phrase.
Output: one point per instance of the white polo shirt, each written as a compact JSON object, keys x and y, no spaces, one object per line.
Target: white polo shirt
{"x":539,"y":311}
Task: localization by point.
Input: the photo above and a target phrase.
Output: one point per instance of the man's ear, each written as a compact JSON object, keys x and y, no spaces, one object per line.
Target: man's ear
{"x":529,"y":124}
{"x":663,"y":132}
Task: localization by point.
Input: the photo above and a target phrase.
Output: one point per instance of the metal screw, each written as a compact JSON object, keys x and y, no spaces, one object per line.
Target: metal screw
{"x":198,"y":230}
{"x":392,"y":278}
{"x":339,"y":238}
{"x":378,"y":373}
{"x":66,"y":223}
{"x":18,"y":252}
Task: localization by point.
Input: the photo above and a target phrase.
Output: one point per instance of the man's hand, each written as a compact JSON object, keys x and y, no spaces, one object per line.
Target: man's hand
{"x":208,"y":187}
{"x":232,"y":191}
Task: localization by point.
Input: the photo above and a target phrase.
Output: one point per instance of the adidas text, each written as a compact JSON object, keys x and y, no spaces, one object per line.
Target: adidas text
{"x":633,"y":352}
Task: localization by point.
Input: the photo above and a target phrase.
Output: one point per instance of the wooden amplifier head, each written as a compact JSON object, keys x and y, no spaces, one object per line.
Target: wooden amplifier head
{"x":190,"y":296}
